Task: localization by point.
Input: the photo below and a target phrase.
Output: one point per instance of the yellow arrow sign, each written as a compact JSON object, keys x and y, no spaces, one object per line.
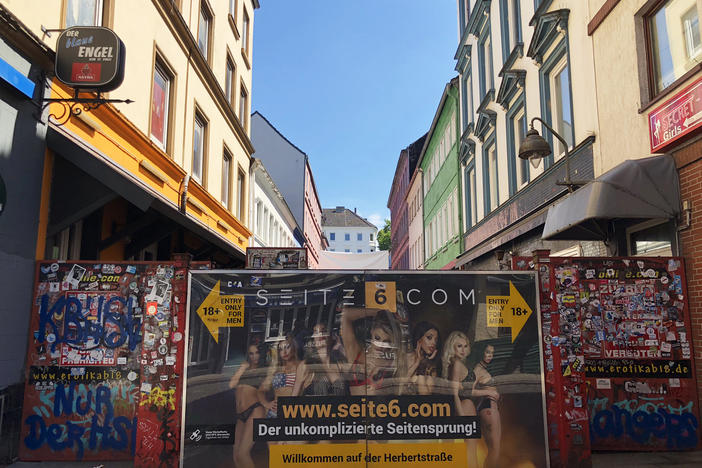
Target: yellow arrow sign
{"x":221,"y":311}
{"x":508,"y":311}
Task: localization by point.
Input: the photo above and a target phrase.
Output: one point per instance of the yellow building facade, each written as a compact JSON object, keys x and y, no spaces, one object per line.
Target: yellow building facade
{"x":175,"y":161}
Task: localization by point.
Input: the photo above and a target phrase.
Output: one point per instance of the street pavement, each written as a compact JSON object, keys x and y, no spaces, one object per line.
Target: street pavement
{"x":599,"y":460}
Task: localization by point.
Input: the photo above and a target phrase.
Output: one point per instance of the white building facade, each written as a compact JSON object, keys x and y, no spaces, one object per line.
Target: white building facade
{"x":348,"y":232}
{"x":273,"y":224}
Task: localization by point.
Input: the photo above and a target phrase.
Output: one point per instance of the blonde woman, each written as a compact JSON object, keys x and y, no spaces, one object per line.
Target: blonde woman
{"x":456,"y":350}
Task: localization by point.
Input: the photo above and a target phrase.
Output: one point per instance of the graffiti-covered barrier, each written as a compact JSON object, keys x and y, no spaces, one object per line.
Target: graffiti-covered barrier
{"x":104,"y":363}
{"x":624,"y":325}
{"x":289,"y":369}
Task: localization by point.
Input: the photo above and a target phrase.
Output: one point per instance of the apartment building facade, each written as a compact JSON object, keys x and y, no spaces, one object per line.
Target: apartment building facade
{"x":290,"y":169}
{"x":440,"y":185}
{"x":398,"y":205}
{"x":272,"y":222}
{"x":348,"y":232}
{"x":518,"y":60}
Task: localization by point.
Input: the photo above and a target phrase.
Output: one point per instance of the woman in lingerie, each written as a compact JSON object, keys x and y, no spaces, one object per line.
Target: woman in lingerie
{"x":246,"y":381}
{"x":485,"y":397}
{"x":422,"y":365}
{"x":378,"y":362}
{"x":321,"y":373}
{"x":281,"y":379}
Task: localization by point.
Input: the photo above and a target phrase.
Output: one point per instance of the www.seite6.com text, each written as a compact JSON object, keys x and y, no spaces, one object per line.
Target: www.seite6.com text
{"x":375,"y":418}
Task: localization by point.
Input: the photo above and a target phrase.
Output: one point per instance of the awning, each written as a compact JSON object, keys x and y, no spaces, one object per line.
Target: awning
{"x":636,"y":189}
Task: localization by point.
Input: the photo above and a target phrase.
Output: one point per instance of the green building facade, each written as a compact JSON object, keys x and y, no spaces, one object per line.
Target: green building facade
{"x":439,"y":162}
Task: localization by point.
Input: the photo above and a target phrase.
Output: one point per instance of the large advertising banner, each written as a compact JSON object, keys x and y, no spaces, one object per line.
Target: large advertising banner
{"x":104,"y":362}
{"x":289,"y":369}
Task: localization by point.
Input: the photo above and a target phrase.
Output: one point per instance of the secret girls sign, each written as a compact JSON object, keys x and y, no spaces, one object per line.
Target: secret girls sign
{"x":90,"y":58}
{"x":676,"y":118}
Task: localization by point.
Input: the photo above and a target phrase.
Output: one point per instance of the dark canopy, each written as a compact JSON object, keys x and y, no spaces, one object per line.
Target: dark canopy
{"x":636,"y":189}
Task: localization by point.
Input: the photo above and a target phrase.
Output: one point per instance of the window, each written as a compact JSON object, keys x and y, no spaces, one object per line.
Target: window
{"x":463,"y":12}
{"x":516,"y":128}
{"x":347,"y":237}
{"x":359,"y":236}
{"x":485,"y":62}
{"x":229,"y":80}
{"x":332,"y":236}
{"x":226,"y":178}
{"x":471,"y":212}
{"x":652,"y":239}
{"x":199,"y":140}
{"x":241,"y":195}
{"x":511,"y":27}
{"x":359,"y":251}
{"x":245,"y":33}
{"x":371,"y":237}
{"x":347,"y":250}
{"x":490,"y":177}
{"x":561,"y":115}
{"x":243,"y":106}
{"x":675,"y":45}
{"x":160,"y":104}
{"x":84,"y":13}
{"x":204,"y":27}
{"x":467,"y":100}
{"x":259,"y":217}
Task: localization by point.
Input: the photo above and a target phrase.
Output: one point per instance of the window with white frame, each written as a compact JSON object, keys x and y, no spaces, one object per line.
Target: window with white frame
{"x":675,"y":44}
{"x":491,"y":179}
{"x":241,"y":194}
{"x":470,"y":194}
{"x":204,"y":27}
{"x":561,"y":112}
{"x":521,"y":165}
{"x":259,"y":217}
{"x":226,"y":178}
{"x":160,"y":104}
{"x":485,"y":61}
{"x":199,"y":140}
{"x":230,"y":74}
{"x":245,"y":32}
{"x":83,"y":13}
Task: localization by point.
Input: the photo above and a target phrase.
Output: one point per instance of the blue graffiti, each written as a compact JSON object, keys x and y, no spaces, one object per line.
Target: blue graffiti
{"x":111,"y":329}
{"x":104,"y":430}
{"x":642,"y":423}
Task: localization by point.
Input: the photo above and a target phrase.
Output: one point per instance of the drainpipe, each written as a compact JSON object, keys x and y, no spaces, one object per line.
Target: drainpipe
{"x":184,"y":193}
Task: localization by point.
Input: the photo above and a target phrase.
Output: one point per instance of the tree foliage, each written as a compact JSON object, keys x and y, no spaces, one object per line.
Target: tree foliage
{"x":384,"y":236}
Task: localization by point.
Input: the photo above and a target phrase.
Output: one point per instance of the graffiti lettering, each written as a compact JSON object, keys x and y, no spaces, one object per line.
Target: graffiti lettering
{"x":110,"y":328}
{"x":103,"y":429}
{"x":159,"y":398}
{"x":644,"y":421}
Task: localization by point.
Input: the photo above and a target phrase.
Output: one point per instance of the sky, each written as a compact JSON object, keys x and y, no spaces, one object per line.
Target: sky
{"x":352,"y":83}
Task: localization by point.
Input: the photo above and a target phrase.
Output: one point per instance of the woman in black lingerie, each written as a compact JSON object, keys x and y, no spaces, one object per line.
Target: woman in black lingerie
{"x":321,"y":373}
{"x":485,"y":396}
{"x":246,"y":381}
{"x":423,"y":364}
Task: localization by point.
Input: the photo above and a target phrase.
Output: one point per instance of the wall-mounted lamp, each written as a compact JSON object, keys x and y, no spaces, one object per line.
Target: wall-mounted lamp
{"x":534,"y":148}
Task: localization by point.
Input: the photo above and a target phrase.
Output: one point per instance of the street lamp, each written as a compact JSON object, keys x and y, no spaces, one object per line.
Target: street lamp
{"x":534,"y":148}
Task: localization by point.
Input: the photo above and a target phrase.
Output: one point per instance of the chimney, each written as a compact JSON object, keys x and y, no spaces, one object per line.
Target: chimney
{"x":354,"y":210}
